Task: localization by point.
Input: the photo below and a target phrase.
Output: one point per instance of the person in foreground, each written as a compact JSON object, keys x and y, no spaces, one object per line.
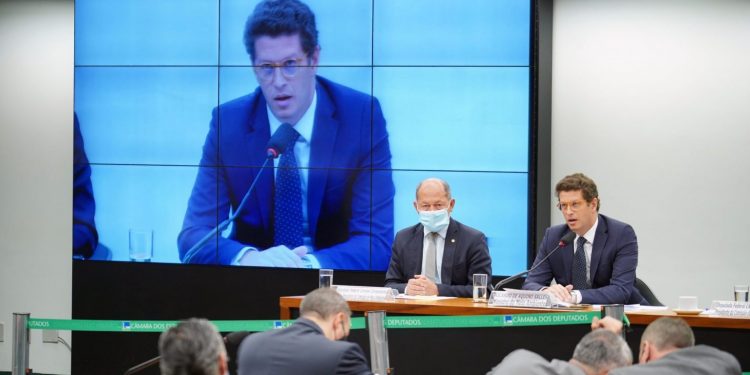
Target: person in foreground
{"x":599,"y":266}
{"x":192,"y":347}
{"x":668,"y":347}
{"x":599,"y":352}
{"x":312,"y":345}
{"x":438,"y":256}
{"x":322,"y":206}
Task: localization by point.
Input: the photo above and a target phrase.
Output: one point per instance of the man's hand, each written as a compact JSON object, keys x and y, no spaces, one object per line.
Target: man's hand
{"x":561,"y":292}
{"x":420,"y":285}
{"x":609,"y":323}
{"x":277,"y":256}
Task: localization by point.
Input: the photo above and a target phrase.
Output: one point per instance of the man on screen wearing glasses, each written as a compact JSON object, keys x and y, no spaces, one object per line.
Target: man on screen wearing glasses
{"x":598,"y":267}
{"x":329,"y":201}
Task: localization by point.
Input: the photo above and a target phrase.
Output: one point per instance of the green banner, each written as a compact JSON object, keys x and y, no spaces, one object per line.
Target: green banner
{"x":518,"y":320}
{"x":472,"y":321}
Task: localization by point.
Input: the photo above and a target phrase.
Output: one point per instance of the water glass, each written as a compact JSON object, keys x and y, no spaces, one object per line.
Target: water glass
{"x":741,"y":293}
{"x":480,"y":287}
{"x":141,"y":245}
{"x":325,"y":278}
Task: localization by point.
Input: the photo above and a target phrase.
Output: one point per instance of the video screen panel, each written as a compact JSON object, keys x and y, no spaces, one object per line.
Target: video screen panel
{"x":438,"y":89}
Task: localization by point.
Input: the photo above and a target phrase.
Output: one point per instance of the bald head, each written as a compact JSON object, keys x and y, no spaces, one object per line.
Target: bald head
{"x":434,"y":184}
{"x":669,"y":333}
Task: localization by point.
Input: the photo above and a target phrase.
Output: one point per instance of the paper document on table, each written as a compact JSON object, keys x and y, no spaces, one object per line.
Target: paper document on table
{"x":423,"y":298}
{"x":638,"y":307}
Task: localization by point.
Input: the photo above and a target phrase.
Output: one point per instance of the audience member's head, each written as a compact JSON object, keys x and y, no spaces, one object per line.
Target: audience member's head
{"x":663,"y":336}
{"x":193,"y":347}
{"x":329,"y":310}
{"x":601,"y":351}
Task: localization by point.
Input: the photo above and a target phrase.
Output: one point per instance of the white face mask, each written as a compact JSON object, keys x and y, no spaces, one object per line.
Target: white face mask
{"x":434,"y":221}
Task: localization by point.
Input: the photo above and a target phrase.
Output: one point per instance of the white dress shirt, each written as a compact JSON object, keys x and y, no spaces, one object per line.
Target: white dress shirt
{"x":439,"y":248}
{"x":588,"y":247}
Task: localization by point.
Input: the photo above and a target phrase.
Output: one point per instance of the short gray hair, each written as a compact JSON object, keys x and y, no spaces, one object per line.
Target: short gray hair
{"x":192,"y":347}
{"x":323,"y":302}
{"x":666,"y":333}
{"x":446,"y":187}
{"x":603,"y":350}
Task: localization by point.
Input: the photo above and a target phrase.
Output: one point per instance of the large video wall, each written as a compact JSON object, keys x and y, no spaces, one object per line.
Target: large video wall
{"x":451,"y":78}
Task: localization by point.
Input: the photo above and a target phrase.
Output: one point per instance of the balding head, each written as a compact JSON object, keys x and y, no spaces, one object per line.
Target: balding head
{"x":434,"y":194}
{"x":663,"y":336}
{"x":601,"y":351}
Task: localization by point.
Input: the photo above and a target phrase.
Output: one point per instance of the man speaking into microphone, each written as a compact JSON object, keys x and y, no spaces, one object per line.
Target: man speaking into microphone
{"x":598,"y":266}
{"x":328,"y":201}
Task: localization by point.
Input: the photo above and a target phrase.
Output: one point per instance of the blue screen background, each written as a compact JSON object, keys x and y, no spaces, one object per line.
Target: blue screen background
{"x":452,"y":80}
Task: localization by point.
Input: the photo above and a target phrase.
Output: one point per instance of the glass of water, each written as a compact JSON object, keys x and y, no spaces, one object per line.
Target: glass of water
{"x":741,"y":293}
{"x":325,"y":278}
{"x":480,"y":287}
{"x":141,"y":245}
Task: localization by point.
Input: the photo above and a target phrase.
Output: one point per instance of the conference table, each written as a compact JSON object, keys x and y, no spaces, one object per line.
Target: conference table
{"x":476,"y":350}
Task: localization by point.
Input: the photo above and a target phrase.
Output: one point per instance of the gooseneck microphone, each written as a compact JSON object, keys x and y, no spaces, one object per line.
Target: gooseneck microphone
{"x":563,"y":241}
{"x":275,"y":147}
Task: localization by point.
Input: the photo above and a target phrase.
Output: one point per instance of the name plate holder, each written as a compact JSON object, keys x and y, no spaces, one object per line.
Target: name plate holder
{"x":731,"y":308}
{"x":521,"y":298}
{"x":365,"y":293}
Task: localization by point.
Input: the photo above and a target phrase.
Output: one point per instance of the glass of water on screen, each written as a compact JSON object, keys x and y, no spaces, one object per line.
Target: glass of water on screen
{"x":479,"y":293}
{"x":141,"y":245}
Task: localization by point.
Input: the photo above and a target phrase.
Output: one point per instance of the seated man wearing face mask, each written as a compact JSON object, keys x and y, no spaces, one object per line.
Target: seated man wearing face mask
{"x":439,"y":255}
{"x":311,"y":346}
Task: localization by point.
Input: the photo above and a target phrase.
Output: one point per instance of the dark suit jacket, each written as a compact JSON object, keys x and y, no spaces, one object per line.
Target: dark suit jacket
{"x":465,"y":254}
{"x":614,"y":257}
{"x":299,"y":349}
{"x":350,"y":189}
{"x":85,"y":236}
{"x":696,"y":360}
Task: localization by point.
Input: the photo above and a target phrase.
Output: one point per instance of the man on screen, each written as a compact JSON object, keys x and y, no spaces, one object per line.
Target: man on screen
{"x":438,"y":256}
{"x":329,"y":201}
{"x":599,"y":266}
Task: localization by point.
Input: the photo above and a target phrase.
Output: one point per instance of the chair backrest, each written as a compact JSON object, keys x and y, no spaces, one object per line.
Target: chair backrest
{"x":647,"y":293}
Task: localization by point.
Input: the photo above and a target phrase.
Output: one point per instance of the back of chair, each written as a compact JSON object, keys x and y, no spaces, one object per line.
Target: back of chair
{"x":232,"y":342}
{"x":647,"y":293}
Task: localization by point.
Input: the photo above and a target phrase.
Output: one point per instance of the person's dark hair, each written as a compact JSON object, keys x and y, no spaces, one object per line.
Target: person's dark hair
{"x":579,"y":181}
{"x":192,"y":347}
{"x":323,"y":303}
{"x":667,"y":333}
{"x":281,"y":17}
{"x":603,"y":350}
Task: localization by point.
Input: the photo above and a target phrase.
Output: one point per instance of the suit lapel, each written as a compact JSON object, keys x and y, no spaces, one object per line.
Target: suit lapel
{"x":600,"y":240}
{"x":446,"y":271}
{"x":321,"y":150}
{"x":257,"y":136}
{"x":417,"y":243}
{"x":567,"y":257}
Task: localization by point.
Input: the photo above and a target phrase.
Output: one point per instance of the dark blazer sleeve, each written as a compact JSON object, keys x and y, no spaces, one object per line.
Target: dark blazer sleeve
{"x":623,"y":257}
{"x":542,"y":275}
{"x":369,"y":229}
{"x":85,"y":236}
{"x":473,"y":256}
{"x":399,"y":269}
{"x":353,"y":362}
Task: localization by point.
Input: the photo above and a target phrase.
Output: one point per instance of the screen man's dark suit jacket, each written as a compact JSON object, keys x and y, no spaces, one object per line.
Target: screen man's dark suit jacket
{"x":349,"y":194}
{"x":465,"y":254}
{"x":614,"y":257}
{"x":299,"y":349}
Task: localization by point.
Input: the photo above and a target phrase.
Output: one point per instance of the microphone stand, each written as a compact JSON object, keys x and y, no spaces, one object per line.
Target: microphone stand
{"x":190,"y":254}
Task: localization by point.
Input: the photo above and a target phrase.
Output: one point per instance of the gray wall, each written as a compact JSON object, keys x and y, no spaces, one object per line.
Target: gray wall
{"x":36,"y":112}
{"x":649,"y":98}
{"x":652,"y":100}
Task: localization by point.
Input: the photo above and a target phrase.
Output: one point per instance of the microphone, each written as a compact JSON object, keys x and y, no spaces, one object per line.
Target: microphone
{"x":563,"y":241}
{"x":275,"y":147}
{"x":279,"y":140}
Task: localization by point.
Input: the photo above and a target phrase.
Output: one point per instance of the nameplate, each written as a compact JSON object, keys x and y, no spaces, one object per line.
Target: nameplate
{"x":365,"y":293}
{"x":731,"y":308}
{"x":520,"y":298}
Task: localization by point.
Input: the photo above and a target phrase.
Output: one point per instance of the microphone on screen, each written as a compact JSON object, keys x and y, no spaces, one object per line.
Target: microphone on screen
{"x":280,"y":140}
{"x":566,"y":239}
{"x":275,"y":147}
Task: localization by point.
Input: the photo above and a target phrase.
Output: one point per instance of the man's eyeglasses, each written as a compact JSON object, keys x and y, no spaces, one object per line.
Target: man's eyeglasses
{"x":574,"y":206}
{"x":288,"y":68}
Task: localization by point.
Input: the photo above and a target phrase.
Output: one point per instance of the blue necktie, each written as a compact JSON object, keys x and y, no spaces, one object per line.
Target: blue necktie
{"x":288,"y":200}
{"x":579,"y":266}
